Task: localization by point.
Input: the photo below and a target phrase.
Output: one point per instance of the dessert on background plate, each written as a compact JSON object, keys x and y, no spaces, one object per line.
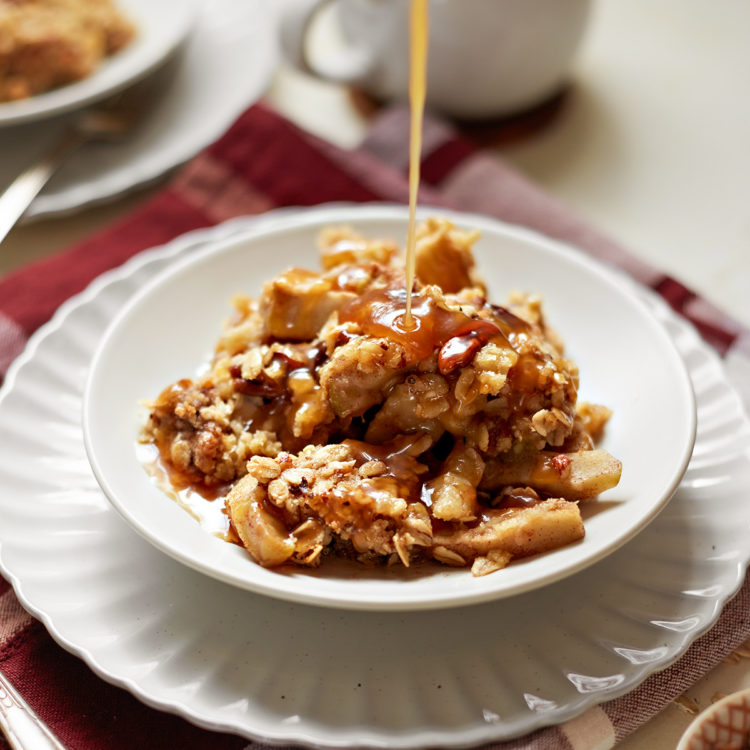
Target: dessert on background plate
{"x":326,"y":425}
{"x":49,"y":43}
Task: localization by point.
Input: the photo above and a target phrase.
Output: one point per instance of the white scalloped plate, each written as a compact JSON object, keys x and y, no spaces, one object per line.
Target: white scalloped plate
{"x":172,"y":324}
{"x":161,"y":26}
{"x":235,"y":661}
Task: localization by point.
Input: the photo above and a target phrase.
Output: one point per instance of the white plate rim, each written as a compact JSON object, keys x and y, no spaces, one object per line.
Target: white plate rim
{"x":88,"y":654}
{"x":351,"y":597}
{"x":112,"y":75}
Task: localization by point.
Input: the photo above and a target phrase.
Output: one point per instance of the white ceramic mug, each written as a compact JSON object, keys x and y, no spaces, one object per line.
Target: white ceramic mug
{"x":486,"y":58}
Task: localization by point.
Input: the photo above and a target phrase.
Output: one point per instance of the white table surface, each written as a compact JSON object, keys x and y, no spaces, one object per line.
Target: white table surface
{"x":653,"y":148}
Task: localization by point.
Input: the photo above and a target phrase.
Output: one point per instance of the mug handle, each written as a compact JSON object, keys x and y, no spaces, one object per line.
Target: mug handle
{"x":347,"y":65}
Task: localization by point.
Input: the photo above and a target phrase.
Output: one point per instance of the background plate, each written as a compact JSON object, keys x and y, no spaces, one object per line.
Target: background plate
{"x":231,"y":660}
{"x":223,"y":67}
{"x":626,"y":360}
{"x":160,"y":25}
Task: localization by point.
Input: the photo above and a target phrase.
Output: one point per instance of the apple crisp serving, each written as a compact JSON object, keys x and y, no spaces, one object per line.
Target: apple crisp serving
{"x":49,"y":43}
{"x":326,"y":426}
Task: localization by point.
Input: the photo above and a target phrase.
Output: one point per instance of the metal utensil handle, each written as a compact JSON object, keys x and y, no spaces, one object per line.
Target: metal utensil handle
{"x":23,"y":728}
{"x":19,"y":194}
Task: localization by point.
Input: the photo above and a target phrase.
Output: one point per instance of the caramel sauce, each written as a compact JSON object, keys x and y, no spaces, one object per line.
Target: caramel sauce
{"x":163,"y":470}
{"x":518,"y":497}
{"x":425,"y":494}
{"x":380,"y":312}
{"x":399,"y":477}
{"x":193,"y":496}
{"x":419,"y":32}
{"x":398,"y":462}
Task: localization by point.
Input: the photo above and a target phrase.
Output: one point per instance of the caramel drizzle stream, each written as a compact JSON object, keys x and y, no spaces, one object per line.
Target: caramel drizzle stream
{"x":417,"y":85}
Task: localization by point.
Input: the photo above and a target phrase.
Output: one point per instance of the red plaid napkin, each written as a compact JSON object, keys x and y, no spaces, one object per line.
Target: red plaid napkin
{"x":264,"y":162}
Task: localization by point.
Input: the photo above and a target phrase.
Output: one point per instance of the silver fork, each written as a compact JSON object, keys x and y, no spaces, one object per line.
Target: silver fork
{"x":21,"y":726}
{"x":111,"y":121}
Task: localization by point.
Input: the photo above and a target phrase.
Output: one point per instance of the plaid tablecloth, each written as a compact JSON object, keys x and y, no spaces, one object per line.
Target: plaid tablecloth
{"x":263,"y":162}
